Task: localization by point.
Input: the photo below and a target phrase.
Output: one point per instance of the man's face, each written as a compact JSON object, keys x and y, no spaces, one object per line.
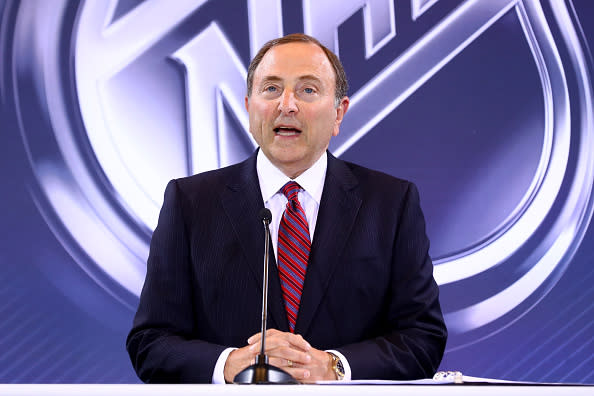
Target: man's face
{"x":291,"y":108}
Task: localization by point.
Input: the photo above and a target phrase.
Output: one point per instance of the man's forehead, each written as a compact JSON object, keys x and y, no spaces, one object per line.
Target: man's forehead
{"x":306,"y":59}
{"x":291,"y":46}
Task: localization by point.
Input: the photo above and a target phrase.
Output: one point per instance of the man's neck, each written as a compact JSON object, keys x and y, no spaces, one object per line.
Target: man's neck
{"x":293,"y":171}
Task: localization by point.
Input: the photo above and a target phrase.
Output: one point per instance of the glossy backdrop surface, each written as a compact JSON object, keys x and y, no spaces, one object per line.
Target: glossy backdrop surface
{"x":487,"y":105}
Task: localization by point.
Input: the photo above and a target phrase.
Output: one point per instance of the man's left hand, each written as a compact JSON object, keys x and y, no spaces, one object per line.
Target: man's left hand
{"x":293,"y":354}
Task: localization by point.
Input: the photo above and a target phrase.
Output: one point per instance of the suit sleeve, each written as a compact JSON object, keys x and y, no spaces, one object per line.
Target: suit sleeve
{"x":161,"y":343}
{"x":412,"y":343}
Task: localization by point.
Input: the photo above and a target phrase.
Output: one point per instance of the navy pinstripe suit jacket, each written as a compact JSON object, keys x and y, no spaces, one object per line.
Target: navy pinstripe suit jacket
{"x":369,"y":290}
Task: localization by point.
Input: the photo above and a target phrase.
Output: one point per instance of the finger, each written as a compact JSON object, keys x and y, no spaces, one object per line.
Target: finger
{"x":269,"y":333}
{"x":299,"y":374}
{"x":279,"y":347}
{"x":289,"y":354}
{"x":273,"y":337}
{"x":298,"y":341}
{"x":282,"y":362}
{"x":271,"y":344}
{"x":237,"y":361}
{"x":253,"y":339}
{"x":289,"y":360}
{"x":246,"y":356}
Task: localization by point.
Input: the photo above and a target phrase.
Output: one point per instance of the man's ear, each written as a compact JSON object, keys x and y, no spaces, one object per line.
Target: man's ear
{"x":247,"y":103}
{"x":341,"y":110}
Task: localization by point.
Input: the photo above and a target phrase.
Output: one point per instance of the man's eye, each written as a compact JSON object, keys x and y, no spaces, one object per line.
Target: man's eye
{"x":308,"y":90}
{"x":270,"y":89}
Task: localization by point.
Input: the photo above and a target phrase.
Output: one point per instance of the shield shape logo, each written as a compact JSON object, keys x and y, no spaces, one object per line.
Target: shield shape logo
{"x":144,"y":94}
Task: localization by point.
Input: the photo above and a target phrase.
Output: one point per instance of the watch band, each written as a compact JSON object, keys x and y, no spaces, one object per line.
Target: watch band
{"x":337,"y":366}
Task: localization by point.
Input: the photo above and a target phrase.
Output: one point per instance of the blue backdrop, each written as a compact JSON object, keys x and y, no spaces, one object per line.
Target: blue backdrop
{"x":487,"y":105}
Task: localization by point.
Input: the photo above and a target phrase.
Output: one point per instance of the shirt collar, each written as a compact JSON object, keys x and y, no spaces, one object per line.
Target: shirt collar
{"x":272,"y":179}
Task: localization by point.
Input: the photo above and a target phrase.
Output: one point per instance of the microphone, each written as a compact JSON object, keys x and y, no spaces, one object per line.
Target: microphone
{"x":261,"y":372}
{"x":266,"y":216}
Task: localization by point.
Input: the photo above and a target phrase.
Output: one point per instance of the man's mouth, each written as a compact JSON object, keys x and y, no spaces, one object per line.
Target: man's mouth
{"x":287,"y":131}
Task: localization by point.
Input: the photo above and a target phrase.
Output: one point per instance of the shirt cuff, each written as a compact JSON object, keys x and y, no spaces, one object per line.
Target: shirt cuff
{"x":218,"y":375}
{"x":345,"y":364}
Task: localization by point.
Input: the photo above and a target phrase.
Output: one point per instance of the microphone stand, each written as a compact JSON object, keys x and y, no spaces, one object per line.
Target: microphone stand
{"x":262,"y":372}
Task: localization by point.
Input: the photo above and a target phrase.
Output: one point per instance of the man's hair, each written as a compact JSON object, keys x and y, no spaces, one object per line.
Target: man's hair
{"x":339,"y":75}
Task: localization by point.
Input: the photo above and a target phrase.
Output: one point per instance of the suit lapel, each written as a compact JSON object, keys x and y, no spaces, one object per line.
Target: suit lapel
{"x":339,"y":206}
{"x":242,"y":202}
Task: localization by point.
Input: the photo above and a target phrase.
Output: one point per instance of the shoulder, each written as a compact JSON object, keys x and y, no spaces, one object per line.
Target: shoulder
{"x":371,"y":181}
{"x":214,"y":181}
{"x":377,"y":191}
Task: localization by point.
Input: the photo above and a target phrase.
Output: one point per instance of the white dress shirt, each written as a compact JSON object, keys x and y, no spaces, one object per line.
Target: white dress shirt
{"x":271,"y":180}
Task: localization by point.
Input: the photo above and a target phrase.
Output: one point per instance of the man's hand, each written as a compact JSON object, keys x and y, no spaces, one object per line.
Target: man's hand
{"x":238,"y":360}
{"x":293,"y":354}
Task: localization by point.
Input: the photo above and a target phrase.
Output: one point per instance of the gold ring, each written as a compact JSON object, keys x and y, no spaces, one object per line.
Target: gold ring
{"x":289,"y":363}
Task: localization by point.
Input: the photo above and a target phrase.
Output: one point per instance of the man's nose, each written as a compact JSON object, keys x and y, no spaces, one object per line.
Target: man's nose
{"x":287,"y":103}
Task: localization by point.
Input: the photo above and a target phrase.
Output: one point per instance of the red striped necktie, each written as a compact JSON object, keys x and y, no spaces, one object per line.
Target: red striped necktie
{"x":293,"y":251}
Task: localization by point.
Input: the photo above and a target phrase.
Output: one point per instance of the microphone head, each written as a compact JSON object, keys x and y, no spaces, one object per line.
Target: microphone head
{"x":265,"y":215}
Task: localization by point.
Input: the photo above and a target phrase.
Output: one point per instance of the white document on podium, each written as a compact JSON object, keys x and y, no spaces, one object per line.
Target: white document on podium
{"x":440,"y":378}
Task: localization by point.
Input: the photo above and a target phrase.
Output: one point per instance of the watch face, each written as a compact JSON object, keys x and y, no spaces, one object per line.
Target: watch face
{"x":339,"y":367}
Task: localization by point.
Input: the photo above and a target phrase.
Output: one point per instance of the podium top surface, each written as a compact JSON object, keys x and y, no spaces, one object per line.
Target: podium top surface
{"x":288,"y":390}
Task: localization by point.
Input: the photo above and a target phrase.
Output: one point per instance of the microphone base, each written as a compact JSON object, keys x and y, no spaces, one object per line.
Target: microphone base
{"x":264,"y":374}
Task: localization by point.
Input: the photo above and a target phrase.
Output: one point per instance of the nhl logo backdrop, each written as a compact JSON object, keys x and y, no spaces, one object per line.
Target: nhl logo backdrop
{"x":485,"y":104}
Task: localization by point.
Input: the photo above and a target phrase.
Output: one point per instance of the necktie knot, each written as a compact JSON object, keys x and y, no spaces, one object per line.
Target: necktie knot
{"x":290,"y":191}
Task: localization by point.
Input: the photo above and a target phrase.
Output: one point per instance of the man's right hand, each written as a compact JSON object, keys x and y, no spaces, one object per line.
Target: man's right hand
{"x":238,"y":360}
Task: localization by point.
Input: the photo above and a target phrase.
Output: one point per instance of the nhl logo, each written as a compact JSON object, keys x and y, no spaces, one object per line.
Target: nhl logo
{"x":132,"y":96}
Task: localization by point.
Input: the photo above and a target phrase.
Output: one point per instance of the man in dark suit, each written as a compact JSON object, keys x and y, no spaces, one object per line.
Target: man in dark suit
{"x":352,"y":293}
